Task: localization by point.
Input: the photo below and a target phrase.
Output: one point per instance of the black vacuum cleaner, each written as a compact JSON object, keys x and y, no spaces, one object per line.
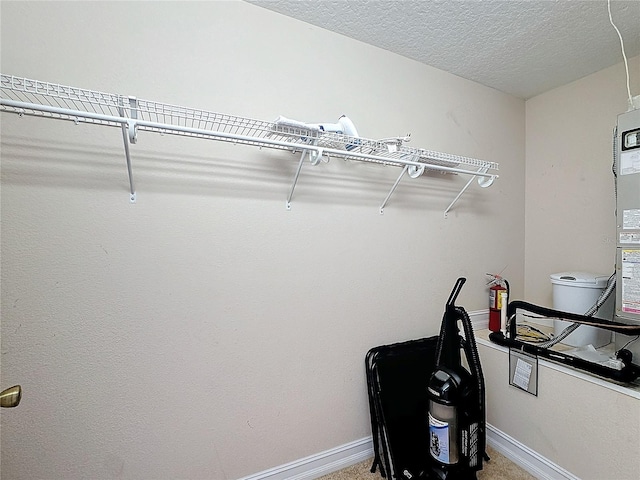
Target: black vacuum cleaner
{"x":457,"y":425}
{"x":427,"y":410}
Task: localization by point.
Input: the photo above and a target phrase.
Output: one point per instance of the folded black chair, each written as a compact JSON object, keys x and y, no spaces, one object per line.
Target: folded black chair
{"x":397,"y":378}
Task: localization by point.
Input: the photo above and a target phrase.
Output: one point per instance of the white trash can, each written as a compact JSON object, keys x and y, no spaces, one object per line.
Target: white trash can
{"x":577,"y":292}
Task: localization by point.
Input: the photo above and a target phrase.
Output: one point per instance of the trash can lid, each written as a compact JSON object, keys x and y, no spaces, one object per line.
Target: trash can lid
{"x":582,"y":279}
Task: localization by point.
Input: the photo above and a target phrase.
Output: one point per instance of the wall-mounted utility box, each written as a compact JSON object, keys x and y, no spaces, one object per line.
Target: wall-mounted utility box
{"x":627,"y":308}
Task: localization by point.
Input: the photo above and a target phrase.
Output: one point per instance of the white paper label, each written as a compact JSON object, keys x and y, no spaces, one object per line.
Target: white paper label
{"x":631,"y":219}
{"x":522,"y":375}
{"x":630,"y":162}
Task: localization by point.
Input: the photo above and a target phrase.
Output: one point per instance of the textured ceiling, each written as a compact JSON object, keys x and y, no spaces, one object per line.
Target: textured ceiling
{"x":521,"y":47}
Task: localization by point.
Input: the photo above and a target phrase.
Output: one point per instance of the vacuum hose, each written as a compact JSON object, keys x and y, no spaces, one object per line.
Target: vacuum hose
{"x":473,"y":359}
{"x":448,"y":354}
{"x":452,"y":316}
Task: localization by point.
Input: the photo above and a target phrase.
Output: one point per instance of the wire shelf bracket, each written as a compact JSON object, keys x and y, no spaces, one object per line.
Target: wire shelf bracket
{"x":295,"y":179}
{"x":130,"y":114}
{"x":129,"y":134}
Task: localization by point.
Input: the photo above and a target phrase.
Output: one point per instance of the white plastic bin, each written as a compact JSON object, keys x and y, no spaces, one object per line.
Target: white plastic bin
{"x":577,"y":292}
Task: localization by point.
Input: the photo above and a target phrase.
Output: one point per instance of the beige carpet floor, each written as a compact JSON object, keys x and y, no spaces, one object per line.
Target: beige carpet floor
{"x":498,"y":468}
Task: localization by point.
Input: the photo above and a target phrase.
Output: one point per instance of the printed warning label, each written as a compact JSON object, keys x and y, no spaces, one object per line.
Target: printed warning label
{"x":631,"y":219}
{"x":630,"y":294}
{"x":629,"y":237}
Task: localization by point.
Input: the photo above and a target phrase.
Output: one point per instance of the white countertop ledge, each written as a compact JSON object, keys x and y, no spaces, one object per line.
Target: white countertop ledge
{"x":632,"y":389}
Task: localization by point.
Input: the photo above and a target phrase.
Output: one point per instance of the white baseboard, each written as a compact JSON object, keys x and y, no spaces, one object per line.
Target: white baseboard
{"x":344,"y":456}
{"x":320,"y":464}
{"x":529,"y":460}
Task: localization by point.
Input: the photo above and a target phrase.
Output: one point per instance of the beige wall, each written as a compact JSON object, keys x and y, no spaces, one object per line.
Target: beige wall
{"x":570,"y":200}
{"x":206,"y":331}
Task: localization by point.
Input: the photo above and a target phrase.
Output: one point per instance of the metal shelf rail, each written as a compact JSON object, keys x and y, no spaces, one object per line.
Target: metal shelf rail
{"x":130,"y":114}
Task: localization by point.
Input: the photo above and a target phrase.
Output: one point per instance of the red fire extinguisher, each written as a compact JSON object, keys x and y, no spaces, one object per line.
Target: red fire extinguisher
{"x":495,"y":301}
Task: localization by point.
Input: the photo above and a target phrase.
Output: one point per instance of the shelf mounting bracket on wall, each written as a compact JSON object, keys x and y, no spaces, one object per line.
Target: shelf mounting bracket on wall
{"x":295,"y":179}
{"x":393,"y":189}
{"x":315,"y":156}
{"x":129,"y":133}
{"x":484,"y":182}
{"x":413,"y":171}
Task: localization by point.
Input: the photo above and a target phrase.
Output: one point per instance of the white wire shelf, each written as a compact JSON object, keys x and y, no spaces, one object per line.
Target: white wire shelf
{"x":24,"y":96}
